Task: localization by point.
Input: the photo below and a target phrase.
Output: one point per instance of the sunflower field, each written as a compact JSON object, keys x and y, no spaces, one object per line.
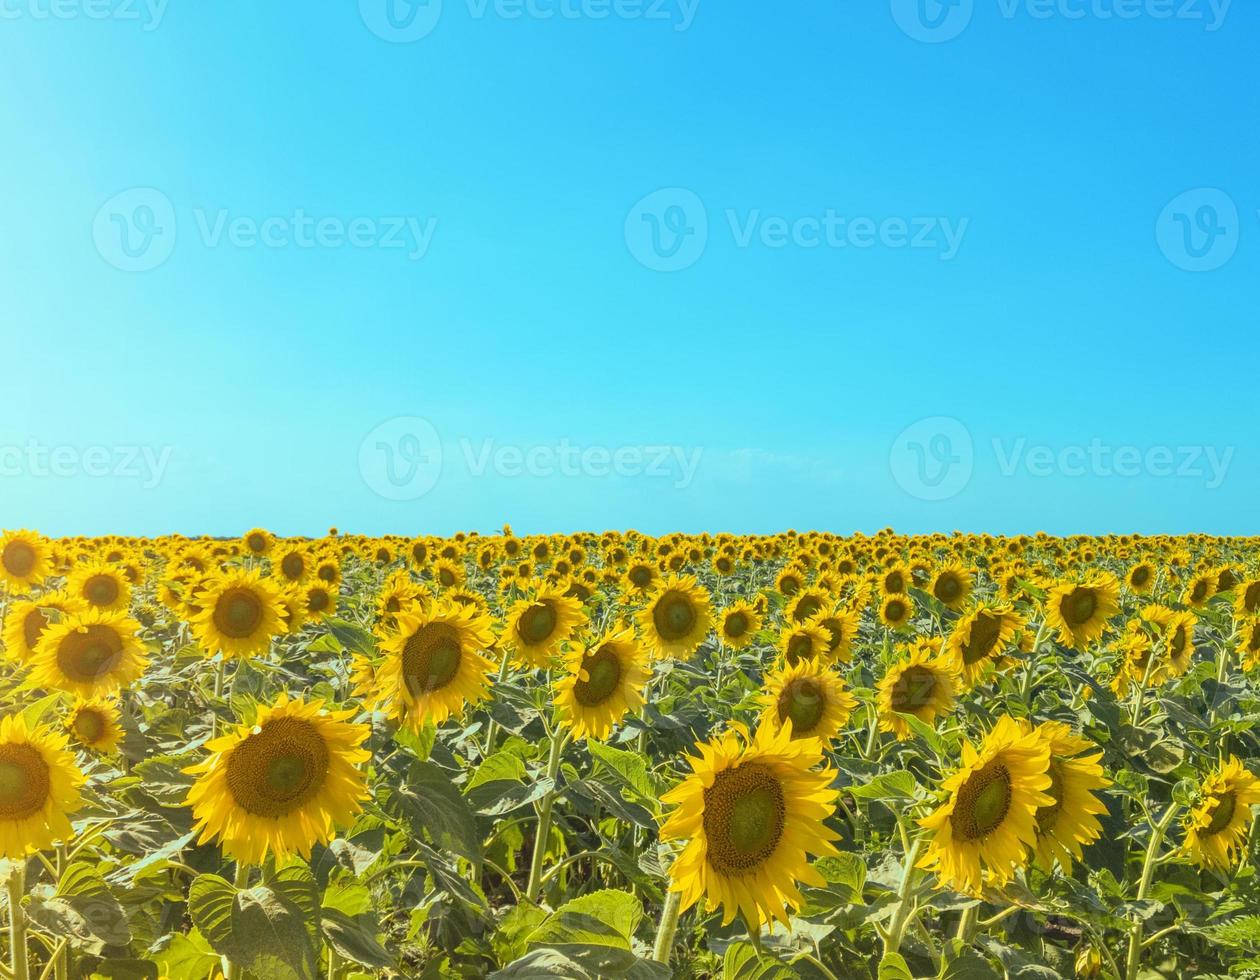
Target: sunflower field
{"x":616,"y":755}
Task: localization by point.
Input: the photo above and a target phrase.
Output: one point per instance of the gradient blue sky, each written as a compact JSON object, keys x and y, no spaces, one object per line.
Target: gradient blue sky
{"x":530,"y":321}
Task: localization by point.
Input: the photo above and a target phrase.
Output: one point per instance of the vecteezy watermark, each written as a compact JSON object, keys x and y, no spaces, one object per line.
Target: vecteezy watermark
{"x":937,"y":21}
{"x":145,"y":465}
{"x":136,"y":230}
{"x":403,"y":459}
{"x":668,"y":230}
{"x":405,"y":21}
{"x":147,"y":13}
{"x":1198,"y":231}
{"x":934,"y":459}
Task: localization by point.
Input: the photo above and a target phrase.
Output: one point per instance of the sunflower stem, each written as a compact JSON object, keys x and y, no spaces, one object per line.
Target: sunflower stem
{"x":1134,"y":958}
{"x":902,"y":916}
{"x":492,"y":730}
{"x":534,"y":885}
{"x":667,"y":928}
{"x":240,"y":881}
{"x":17,"y":922}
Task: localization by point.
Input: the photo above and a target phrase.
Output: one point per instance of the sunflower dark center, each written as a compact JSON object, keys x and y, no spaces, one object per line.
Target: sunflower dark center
{"x":257,"y":543}
{"x":24,"y":781}
{"x":603,"y":672}
{"x":238,"y":613}
{"x":895,"y":610}
{"x":914,"y":689}
{"x":1079,"y":606}
{"x":88,"y":656}
{"x":292,"y":565}
{"x":33,"y":626}
{"x":800,"y":647}
{"x":894,"y":582}
{"x":537,"y":623}
{"x":804,"y":701}
{"x":807,"y":607}
{"x":982,"y":803}
{"x":278,"y":768}
{"x":19,"y":558}
{"x":744,"y":818}
{"x":674,"y":616}
{"x":1222,"y":813}
{"x":431,"y":658}
{"x":1251,"y":597}
{"x":947,"y":588}
{"x":89,"y":725}
{"x":736,"y":624}
{"x":317,"y":600}
{"x":1141,"y":575}
{"x":985,"y":631}
{"x":640,"y":575}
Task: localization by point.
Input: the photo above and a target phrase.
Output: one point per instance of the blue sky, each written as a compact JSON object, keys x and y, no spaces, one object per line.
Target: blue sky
{"x":663,"y":265}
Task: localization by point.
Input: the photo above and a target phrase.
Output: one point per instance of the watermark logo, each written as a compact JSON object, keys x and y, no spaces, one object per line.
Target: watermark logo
{"x":933,"y":459}
{"x":933,"y":21}
{"x":135,"y":230}
{"x":401,"y":459}
{"x":1198,"y":231}
{"x":667,"y":230}
{"x":147,"y":13}
{"x":144,"y":465}
{"x":401,"y":21}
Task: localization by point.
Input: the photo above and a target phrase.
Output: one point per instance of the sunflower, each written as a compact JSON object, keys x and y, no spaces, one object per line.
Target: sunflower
{"x":988,"y":821}
{"x":92,"y":652}
{"x":737,"y":624}
{"x":1217,"y":827}
{"x":1177,"y":629}
{"x":321,"y":600}
{"x":841,"y":624}
{"x":282,"y":784}
{"x":398,"y":592}
{"x":26,"y":620}
{"x":752,"y":811}
{"x":640,"y":576}
{"x":291,"y":563}
{"x":603,"y":681}
{"x":1079,"y":611}
{"x":807,"y":604}
{"x":537,"y":627}
{"x":980,"y":640}
{"x":25,"y":560}
{"x":804,"y":642}
{"x":896,"y":610}
{"x":99,"y":585}
{"x":809,"y":696}
{"x":922,"y":684}
{"x":258,"y":542}
{"x":448,"y":574}
{"x":39,"y":786}
{"x":677,"y":617}
{"x":433,"y":665}
{"x":1141,"y":578}
{"x":94,"y":724}
{"x":789,"y":582}
{"x":1247,"y":600}
{"x":951,"y":586}
{"x":895,"y":580}
{"x":240,"y":612}
{"x":1071,"y":821}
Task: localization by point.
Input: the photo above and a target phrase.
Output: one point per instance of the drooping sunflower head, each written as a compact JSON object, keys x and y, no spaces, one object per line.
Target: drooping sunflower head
{"x":25,"y":560}
{"x":951,"y":586}
{"x":987,"y":823}
{"x":39,"y":787}
{"x":282,"y":784}
{"x":1070,"y":823}
{"x":93,"y":723}
{"x":537,"y":627}
{"x":752,"y":811}
{"x":432,"y":666}
{"x":981,"y":638}
{"x":240,"y":613}
{"x":26,"y":620}
{"x":808,"y":696}
{"x":602,"y":682}
{"x":1217,"y":826}
{"x":100,"y":586}
{"x":922,"y":683}
{"x":737,"y":624}
{"x":677,"y":617}
{"x":89,"y":653}
{"x":807,"y":604}
{"x":1079,"y":611}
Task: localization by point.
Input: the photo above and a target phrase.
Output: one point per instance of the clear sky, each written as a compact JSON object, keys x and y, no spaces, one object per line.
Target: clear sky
{"x":991,"y":265}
